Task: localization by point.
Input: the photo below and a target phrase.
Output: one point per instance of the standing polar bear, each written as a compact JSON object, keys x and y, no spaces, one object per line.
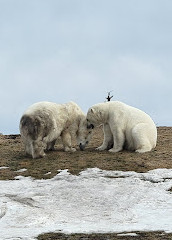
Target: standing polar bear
{"x":124,"y":127}
{"x":43,"y":122}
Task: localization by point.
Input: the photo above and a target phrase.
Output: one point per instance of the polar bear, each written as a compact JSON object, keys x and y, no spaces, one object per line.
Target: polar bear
{"x":124,"y":127}
{"x":43,"y":122}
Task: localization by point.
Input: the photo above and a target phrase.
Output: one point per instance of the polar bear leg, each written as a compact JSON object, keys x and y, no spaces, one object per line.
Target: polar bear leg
{"x":108,"y":138}
{"x":66,"y":139}
{"x":141,"y":134}
{"x":28,"y":148}
{"x":50,"y":145}
{"x":118,"y":139}
{"x":38,"y":148}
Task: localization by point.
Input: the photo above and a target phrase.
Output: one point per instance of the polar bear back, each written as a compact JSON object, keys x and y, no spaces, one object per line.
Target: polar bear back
{"x":60,"y":113}
{"x":127,"y":115}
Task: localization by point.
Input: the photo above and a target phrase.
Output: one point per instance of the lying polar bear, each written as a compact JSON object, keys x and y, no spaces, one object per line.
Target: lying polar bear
{"x":124,"y":127}
{"x":44,"y":122}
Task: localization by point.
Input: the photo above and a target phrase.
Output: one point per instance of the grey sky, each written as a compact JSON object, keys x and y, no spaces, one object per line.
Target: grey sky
{"x":63,"y":50}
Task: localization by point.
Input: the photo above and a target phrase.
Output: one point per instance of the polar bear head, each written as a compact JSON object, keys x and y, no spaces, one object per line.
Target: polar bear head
{"x":84,"y":134}
{"x":97,"y":115}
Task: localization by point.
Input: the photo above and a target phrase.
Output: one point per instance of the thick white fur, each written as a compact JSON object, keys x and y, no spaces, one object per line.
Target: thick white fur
{"x":124,"y":127}
{"x":43,"y":122}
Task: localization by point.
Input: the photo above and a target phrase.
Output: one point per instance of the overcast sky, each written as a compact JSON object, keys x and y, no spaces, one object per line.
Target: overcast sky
{"x":78,"y":50}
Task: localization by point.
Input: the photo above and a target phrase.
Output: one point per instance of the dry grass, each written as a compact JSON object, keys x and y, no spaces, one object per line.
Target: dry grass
{"x":12,"y":155}
{"x":110,"y":236}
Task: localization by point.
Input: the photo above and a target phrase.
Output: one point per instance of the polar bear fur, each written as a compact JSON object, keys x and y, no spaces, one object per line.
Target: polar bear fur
{"x":124,"y":127}
{"x":43,"y":122}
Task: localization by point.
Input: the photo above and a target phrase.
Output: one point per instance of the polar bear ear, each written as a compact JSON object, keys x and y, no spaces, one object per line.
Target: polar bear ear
{"x":92,"y":110}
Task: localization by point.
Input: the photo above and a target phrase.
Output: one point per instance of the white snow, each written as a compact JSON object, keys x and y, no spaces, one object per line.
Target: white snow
{"x":48,"y":173}
{"x":127,"y":234}
{"x":94,"y":201}
{"x":21,"y":170}
{"x":3,"y":168}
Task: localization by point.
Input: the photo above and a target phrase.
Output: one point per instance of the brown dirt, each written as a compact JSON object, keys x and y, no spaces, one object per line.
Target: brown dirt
{"x":12,"y":156}
{"x":110,"y":236}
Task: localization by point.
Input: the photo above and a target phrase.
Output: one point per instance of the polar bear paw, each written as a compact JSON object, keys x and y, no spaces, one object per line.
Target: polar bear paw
{"x":73,"y":149}
{"x":101,"y":148}
{"x":70,"y":149}
{"x":113,"y":150}
{"x":39,"y":155}
{"x":143,"y":150}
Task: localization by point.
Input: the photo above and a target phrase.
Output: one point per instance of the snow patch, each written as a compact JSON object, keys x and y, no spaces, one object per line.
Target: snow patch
{"x":3,"y":168}
{"x":48,"y":173}
{"x":128,"y":234}
{"x":96,"y":201}
{"x":21,"y":170}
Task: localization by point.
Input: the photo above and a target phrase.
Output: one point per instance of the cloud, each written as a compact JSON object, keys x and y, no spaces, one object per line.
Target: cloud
{"x":80,"y":50}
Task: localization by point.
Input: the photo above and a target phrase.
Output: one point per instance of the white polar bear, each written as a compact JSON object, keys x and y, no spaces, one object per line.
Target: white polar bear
{"x":43,"y":122}
{"x":124,"y":127}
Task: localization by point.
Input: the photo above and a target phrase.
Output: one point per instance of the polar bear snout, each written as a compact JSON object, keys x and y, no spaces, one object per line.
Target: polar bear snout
{"x":84,"y":134}
{"x":82,"y":146}
{"x":90,"y":126}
